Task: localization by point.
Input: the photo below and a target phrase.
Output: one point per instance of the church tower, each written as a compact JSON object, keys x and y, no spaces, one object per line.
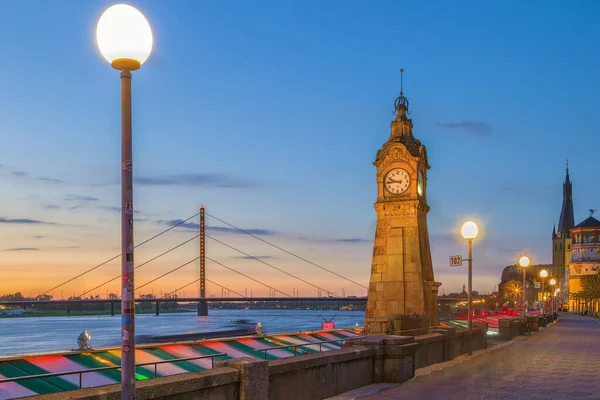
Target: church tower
{"x":561,"y":237}
{"x":402,"y":291}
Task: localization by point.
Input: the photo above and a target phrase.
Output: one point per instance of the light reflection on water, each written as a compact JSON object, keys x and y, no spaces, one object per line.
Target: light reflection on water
{"x":42,"y":334}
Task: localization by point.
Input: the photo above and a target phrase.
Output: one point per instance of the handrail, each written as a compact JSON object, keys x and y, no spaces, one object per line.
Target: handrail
{"x":99,"y":369}
{"x":320,"y":343}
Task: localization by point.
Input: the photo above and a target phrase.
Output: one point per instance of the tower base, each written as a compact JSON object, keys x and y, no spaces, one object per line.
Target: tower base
{"x":202,"y":308}
{"x":400,"y":325}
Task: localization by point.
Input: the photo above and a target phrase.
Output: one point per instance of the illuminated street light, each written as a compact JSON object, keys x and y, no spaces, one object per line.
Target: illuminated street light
{"x":543,"y":275}
{"x":524,"y":262}
{"x":125,"y":40}
{"x":553,"y":282}
{"x":469,"y":231}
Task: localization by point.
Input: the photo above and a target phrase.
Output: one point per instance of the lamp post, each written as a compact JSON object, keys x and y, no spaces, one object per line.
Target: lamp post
{"x":552,"y":283}
{"x":543,"y":275}
{"x":524,"y":262}
{"x":469,"y":231}
{"x":124,"y":38}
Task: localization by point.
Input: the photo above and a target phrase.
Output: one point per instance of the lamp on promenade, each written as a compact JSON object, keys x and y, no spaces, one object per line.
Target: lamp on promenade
{"x":553,"y":282}
{"x":543,"y":275}
{"x":524,"y":263}
{"x":124,"y":38}
{"x":469,"y":231}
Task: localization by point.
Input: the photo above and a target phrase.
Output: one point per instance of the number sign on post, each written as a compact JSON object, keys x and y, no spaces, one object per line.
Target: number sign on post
{"x":455,"y":261}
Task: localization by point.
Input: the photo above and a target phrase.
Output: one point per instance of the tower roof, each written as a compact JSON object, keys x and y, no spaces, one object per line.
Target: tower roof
{"x":567,"y":219}
{"x":589,"y":222}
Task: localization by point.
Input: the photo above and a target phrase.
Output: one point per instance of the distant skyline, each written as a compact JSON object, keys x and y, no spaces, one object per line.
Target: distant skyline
{"x":271,"y":114}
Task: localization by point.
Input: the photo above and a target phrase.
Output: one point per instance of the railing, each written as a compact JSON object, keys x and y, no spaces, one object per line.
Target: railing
{"x":295,"y":346}
{"x":86,"y":371}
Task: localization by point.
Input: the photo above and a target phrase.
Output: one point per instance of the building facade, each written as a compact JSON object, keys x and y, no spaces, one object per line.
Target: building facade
{"x":510,"y":288}
{"x":562,"y":242}
{"x":585,"y":260}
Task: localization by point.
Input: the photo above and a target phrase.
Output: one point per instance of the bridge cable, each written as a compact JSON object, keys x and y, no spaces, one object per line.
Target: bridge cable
{"x":117,"y":256}
{"x":214,"y":283}
{"x":167,"y":273}
{"x":141,"y":265}
{"x":272,"y":266}
{"x":216,"y":262}
{"x":289,"y":252}
{"x":255,"y":280}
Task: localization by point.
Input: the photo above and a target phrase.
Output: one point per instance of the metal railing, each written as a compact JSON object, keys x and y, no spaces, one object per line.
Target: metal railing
{"x":81,"y":372}
{"x":295,"y":346}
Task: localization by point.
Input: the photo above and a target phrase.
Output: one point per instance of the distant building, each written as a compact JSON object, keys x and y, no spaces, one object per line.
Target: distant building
{"x":511,"y":284}
{"x":585,"y":259}
{"x":562,"y":241}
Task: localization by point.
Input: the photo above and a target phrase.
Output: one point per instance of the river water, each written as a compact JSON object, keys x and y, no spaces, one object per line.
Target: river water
{"x":44,"y":334}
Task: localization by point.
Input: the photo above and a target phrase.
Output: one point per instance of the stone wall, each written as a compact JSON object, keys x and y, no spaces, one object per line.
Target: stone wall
{"x":314,"y":376}
{"x":320,"y":375}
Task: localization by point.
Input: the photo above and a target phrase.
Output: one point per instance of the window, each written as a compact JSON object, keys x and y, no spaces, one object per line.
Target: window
{"x":587,"y":238}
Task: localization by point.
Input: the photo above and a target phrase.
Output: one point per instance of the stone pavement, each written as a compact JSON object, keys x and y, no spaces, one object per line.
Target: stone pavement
{"x":556,"y":363}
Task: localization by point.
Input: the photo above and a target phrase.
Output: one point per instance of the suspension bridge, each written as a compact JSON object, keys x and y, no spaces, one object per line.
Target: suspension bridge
{"x":275,"y":294}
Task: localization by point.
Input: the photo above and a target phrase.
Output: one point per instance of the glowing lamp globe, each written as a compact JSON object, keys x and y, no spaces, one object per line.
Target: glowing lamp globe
{"x":124,"y":37}
{"x":469,"y":230}
{"x":524,"y":261}
{"x":543,"y":273}
{"x":553,"y":281}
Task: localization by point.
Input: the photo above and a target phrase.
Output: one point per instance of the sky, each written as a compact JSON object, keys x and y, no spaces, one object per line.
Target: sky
{"x":270,"y":114}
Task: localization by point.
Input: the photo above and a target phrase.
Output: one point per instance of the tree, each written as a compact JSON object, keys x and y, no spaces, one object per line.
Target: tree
{"x":112,"y":296}
{"x":590,"y":286}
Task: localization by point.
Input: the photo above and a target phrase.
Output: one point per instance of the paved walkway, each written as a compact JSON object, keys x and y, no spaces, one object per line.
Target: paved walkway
{"x":556,"y":363}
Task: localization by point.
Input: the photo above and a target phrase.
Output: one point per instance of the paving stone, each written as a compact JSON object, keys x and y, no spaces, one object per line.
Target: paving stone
{"x":558,"y":363}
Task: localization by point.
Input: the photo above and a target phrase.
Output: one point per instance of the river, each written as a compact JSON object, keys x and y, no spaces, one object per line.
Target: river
{"x":44,"y":334}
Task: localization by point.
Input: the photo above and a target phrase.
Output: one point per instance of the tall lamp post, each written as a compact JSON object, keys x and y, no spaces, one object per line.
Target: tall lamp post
{"x":524,"y":263}
{"x":552,"y":283}
{"x":543,"y":275}
{"x":124,"y":38}
{"x":469,"y":231}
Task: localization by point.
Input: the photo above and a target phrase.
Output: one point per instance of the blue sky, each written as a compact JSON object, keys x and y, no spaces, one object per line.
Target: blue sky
{"x":271,"y":113}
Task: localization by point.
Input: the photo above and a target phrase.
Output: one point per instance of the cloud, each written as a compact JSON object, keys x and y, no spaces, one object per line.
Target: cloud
{"x":24,"y":221}
{"x":37,"y":236}
{"x":115,"y":209}
{"x":22,"y":249}
{"x":51,"y":180}
{"x":254,"y":257}
{"x":83,"y":199}
{"x":474,"y":128}
{"x":196,"y":227}
{"x":352,"y":240}
{"x":19,"y":173}
{"x":51,"y":207}
{"x":211,"y":180}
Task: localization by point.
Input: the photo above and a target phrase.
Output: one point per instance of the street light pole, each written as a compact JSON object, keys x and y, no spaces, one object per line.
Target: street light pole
{"x":127,"y":281}
{"x":524,"y":306}
{"x":470,"y":294}
{"x":125,"y":40}
{"x":469,"y":231}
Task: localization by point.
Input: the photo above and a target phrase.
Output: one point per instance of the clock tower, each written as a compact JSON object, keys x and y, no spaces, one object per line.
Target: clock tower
{"x":402,"y":290}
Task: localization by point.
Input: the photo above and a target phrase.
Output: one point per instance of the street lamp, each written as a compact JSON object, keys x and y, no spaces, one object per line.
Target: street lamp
{"x":543,"y":275}
{"x":124,"y":38}
{"x":524,"y":262}
{"x":553,"y":282}
{"x":469,"y":231}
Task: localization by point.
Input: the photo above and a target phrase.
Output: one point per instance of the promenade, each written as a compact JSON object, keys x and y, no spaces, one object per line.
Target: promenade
{"x":555,"y":363}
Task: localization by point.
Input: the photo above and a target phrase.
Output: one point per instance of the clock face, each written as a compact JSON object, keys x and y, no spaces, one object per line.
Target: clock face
{"x":420,"y":184}
{"x":397,"y":181}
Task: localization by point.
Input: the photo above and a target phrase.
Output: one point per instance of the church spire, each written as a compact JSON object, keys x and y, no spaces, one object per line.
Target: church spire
{"x":567,"y":219}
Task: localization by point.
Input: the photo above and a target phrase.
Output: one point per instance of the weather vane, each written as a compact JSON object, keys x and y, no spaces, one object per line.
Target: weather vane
{"x":592,"y":211}
{"x":401,"y":100}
